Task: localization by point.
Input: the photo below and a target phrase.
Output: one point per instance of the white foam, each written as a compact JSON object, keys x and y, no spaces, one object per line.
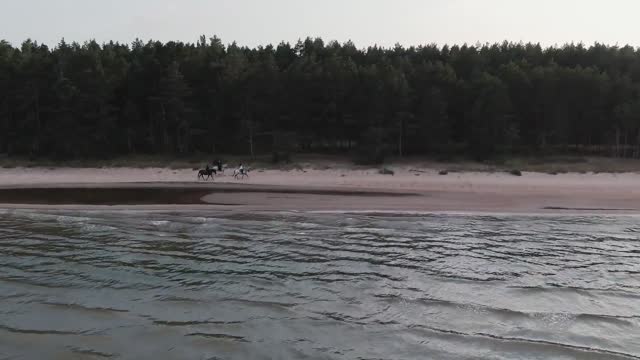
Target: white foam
{"x":65,"y":219}
{"x":95,"y":227}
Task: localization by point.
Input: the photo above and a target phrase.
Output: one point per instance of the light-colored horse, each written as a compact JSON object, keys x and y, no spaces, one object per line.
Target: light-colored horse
{"x":240,"y":173}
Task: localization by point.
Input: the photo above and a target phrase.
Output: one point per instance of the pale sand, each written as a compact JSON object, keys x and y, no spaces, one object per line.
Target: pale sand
{"x":407,"y":190}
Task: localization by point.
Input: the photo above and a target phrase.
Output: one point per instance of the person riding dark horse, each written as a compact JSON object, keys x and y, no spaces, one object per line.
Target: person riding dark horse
{"x":207,"y":173}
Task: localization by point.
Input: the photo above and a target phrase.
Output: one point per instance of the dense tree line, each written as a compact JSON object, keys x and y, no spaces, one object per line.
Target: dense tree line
{"x":95,"y":100}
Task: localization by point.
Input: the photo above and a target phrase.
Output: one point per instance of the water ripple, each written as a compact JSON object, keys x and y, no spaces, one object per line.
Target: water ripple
{"x":353,"y":286}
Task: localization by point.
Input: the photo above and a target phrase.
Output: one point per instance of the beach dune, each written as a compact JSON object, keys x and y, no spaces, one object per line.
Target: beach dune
{"x":324,"y":190}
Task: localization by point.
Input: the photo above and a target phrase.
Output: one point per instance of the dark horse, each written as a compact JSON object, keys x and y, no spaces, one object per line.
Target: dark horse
{"x":206,"y":174}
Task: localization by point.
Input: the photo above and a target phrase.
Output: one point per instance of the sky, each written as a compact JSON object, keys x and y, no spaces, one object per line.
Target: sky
{"x":365,"y":22}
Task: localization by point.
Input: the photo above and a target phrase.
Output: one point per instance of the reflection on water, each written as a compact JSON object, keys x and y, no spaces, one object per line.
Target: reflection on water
{"x":136,"y":285}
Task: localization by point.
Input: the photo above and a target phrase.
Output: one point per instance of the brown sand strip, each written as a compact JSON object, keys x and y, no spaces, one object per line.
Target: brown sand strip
{"x":169,"y":194}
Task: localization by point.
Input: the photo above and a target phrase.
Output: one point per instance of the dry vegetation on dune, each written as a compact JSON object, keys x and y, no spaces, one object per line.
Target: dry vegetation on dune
{"x":548,"y":165}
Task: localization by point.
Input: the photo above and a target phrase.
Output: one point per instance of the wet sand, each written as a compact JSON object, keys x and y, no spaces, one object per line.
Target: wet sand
{"x":321,"y":190}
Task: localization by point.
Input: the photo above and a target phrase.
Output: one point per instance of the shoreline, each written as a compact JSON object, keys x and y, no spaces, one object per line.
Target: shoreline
{"x":348,"y":190}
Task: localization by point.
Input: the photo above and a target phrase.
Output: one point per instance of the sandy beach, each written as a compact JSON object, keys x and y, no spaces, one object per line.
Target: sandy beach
{"x":408,"y":189}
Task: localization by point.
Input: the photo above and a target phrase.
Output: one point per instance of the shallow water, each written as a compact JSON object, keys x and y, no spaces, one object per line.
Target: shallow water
{"x":143,"y":285}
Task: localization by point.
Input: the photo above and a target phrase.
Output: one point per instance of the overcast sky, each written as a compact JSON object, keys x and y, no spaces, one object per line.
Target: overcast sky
{"x":365,"y":22}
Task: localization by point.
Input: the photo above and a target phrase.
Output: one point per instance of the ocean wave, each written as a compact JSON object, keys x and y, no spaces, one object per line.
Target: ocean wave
{"x":358,"y":285}
{"x":160,"y":222}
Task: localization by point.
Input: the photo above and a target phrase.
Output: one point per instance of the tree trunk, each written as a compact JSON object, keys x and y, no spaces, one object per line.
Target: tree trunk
{"x":250,"y":124}
{"x":637,"y":154}
{"x":36,"y":141}
{"x":130,"y":149}
{"x":179,"y":137}
{"x":617,"y":146}
{"x":213,"y":134}
{"x":251,"y":139}
{"x":4,"y":137}
{"x":165,"y":131}
{"x":401,"y":133}
{"x":152,"y":136}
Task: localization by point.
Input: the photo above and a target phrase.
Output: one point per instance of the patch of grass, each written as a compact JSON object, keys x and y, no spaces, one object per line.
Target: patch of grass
{"x":386,"y":171}
{"x":321,"y":167}
{"x":136,"y":161}
{"x":546,"y":164}
{"x":515,"y":172}
{"x":550,"y":164}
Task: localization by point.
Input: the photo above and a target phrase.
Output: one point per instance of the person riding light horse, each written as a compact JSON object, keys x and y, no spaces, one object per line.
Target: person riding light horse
{"x":240,"y":172}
